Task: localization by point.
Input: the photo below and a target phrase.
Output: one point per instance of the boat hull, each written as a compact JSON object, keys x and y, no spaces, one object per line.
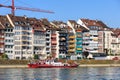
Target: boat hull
{"x":50,"y":66}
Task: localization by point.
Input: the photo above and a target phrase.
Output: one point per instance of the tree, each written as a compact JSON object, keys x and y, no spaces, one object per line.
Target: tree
{"x":36,"y":56}
{"x":5,"y":56}
{"x":85,"y":54}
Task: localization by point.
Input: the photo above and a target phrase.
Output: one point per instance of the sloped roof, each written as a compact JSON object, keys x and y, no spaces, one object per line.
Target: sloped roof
{"x":73,"y":22}
{"x":98,"y":23}
{"x":4,"y":22}
{"x":25,"y":21}
{"x":116,"y":31}
{"x":45,"y":22}
{"x":60,"y":25}
{"x":76,"y":25}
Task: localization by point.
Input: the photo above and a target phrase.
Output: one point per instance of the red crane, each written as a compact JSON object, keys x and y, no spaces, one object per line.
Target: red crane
{"x":24,"y":8}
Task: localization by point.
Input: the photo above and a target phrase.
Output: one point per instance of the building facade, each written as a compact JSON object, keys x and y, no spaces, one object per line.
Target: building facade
{"x":22,"y":38}
{"x":94,"y":39}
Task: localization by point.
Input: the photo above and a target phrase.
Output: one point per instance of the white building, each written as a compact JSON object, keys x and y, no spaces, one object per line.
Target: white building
{"x":26,"y":38}
{"x":115,"y":42}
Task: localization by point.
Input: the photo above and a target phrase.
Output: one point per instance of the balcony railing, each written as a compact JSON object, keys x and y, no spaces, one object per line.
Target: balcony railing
{"x":53,"y":35}
{"x":71,"y":41}
{"x":71,"y":50}
{"x":71,"y":45}
{"x":79,"y":49}
{"x":71,"y":36}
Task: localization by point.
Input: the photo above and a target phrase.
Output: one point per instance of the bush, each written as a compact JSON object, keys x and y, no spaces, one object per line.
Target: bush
{"x":36,"y":56}
{"x":5,"y":56}
{"x":13,"y":62}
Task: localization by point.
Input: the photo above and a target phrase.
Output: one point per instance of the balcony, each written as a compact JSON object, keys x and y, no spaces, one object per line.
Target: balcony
{"x":86,"y":38}
{"x":48,"y":41}
{"x":71,"y":50}
{"x":53,"y":43}
{"x":2,"y":49}
{"x":53,"y":48}
{"x":62,"y":39}
{"x":9,"y":43}
{"x":1,"y":34}
{"x":48,"y":36}
{"x":79,"y":38}
{"x":53,"y":35}
{"x":72,"y":46}
{"x":93,"y":42}
{"x":79,"y":49}
{"x":85,"y":42}
{"x":1,"y":39}
{"x":9,"y":37}
{"x":47,"y":50}
{"x":71,"y":36}
{"x":93,"y":51}
{"x":86,"y":35}
{"x":2,"y":43}
{"x":79,"y":42}
{"x":71,"y":41}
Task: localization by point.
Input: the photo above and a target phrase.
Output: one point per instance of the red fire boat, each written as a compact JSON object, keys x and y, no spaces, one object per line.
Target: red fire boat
{"x":51,"y":64}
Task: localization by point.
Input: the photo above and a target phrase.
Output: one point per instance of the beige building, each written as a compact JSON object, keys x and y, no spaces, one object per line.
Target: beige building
{"x":115,"y":44}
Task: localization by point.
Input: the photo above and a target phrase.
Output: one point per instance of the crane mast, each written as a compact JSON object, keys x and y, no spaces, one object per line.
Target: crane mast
{"x":13,"y":7}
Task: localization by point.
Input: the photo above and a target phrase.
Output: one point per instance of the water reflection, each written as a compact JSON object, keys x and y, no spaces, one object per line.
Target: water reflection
{"x":88,"y":73}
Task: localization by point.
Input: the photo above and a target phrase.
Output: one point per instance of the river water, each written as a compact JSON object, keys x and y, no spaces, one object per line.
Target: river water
{"x":82,"y":73}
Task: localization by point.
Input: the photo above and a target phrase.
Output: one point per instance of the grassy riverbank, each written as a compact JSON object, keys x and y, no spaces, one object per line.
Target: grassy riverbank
{"x":94,"y":61}
{"x":25,"y":62}
{"x":83,"y":63}
{"x":14,"y":62}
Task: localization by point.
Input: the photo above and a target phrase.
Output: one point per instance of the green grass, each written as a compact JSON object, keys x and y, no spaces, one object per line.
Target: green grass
{"x":94,"y":61}
{"x":13,"y":62}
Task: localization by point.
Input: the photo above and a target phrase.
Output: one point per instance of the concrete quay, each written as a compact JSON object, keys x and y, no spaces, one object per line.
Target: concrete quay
{"x":13,"y":66}
{"x":99,"y":65}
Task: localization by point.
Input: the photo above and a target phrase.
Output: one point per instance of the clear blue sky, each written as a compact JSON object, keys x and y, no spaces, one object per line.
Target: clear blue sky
{"x":107,"y":11}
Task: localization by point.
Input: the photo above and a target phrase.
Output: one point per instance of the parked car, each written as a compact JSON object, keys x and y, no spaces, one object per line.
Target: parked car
{"x":115,"y":58}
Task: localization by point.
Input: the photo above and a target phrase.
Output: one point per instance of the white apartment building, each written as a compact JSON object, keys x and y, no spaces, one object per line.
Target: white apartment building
{"x":107,"y":40}
{"x":115,"y":44}
{"x":23,"y":42}
{"x":93,"y":43}
{"x":9,"y":42}
{"x":26,"y":38}
{"x":39,"y":43}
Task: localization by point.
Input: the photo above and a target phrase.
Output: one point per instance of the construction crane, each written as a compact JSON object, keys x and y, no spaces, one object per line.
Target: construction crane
{"x":13,"y":8}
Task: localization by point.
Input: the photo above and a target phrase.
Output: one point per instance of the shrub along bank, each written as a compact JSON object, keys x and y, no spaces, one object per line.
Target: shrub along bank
{"x":94,"y":61}
{"x":13,"y":62}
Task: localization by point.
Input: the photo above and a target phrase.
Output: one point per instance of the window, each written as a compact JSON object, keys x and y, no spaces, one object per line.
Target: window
{"x":17,"y":57}
{"x":47,"y":34}
{"x":113,"y":46}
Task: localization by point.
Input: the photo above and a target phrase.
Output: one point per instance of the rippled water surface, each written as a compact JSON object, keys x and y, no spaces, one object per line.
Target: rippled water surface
{"x":89,"y":73}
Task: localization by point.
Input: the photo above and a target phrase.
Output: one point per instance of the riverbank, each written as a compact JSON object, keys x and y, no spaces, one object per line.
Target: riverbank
{"x":13,"y":66}
{"x":82,"y":65}
{"x":99,"y":65}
